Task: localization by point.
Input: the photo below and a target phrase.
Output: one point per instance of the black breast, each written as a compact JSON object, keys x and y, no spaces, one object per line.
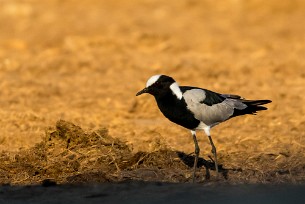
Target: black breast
{"x":175,"y":110}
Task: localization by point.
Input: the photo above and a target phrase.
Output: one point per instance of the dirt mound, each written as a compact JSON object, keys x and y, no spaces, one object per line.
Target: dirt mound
{"x":67,"y":154}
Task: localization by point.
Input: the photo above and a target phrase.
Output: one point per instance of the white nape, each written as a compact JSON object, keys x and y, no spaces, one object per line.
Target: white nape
{"x":176,"y":90}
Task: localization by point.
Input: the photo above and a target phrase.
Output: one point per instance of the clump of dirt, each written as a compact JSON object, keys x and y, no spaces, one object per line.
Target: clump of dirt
{"x":67,"y":154}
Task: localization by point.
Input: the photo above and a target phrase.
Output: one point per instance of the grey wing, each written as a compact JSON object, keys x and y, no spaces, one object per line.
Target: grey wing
{"x":211,"y":114}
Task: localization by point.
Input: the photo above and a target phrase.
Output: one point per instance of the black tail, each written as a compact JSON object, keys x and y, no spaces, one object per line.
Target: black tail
{"x":253,"y":107}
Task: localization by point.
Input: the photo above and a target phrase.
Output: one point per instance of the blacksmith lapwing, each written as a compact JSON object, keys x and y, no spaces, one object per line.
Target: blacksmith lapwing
{"x":196,"y":108}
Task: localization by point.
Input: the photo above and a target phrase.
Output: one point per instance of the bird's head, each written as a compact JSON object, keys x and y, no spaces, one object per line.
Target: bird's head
{"x":159,"y":85}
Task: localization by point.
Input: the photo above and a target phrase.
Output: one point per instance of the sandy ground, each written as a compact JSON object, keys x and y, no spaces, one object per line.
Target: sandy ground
{"x":83,"y":62}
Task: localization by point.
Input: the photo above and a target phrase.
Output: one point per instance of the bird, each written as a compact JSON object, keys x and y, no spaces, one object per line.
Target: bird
{"x":197,"y":108}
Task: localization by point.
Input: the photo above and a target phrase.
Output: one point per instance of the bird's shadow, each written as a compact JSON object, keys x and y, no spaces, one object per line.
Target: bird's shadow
{"x":188,"y":160}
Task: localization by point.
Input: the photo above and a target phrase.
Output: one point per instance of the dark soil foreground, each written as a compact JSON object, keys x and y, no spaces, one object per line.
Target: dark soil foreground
{"x":150,"y":192}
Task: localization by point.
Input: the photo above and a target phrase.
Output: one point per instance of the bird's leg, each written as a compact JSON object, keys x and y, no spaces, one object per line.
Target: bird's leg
{"x":214,"y":153}
{"x":197,"y":151}
{"x":207,"y":132}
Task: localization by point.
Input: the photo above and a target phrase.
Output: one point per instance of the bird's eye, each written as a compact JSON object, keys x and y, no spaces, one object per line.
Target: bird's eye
{"x":158,"y":84}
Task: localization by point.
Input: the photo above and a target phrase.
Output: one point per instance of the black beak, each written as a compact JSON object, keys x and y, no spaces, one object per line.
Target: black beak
{"x":145,"y":90}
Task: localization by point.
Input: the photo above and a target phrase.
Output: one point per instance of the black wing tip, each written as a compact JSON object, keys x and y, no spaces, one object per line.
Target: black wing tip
{"x":266,"y":101}
{"x":256,"y":102}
